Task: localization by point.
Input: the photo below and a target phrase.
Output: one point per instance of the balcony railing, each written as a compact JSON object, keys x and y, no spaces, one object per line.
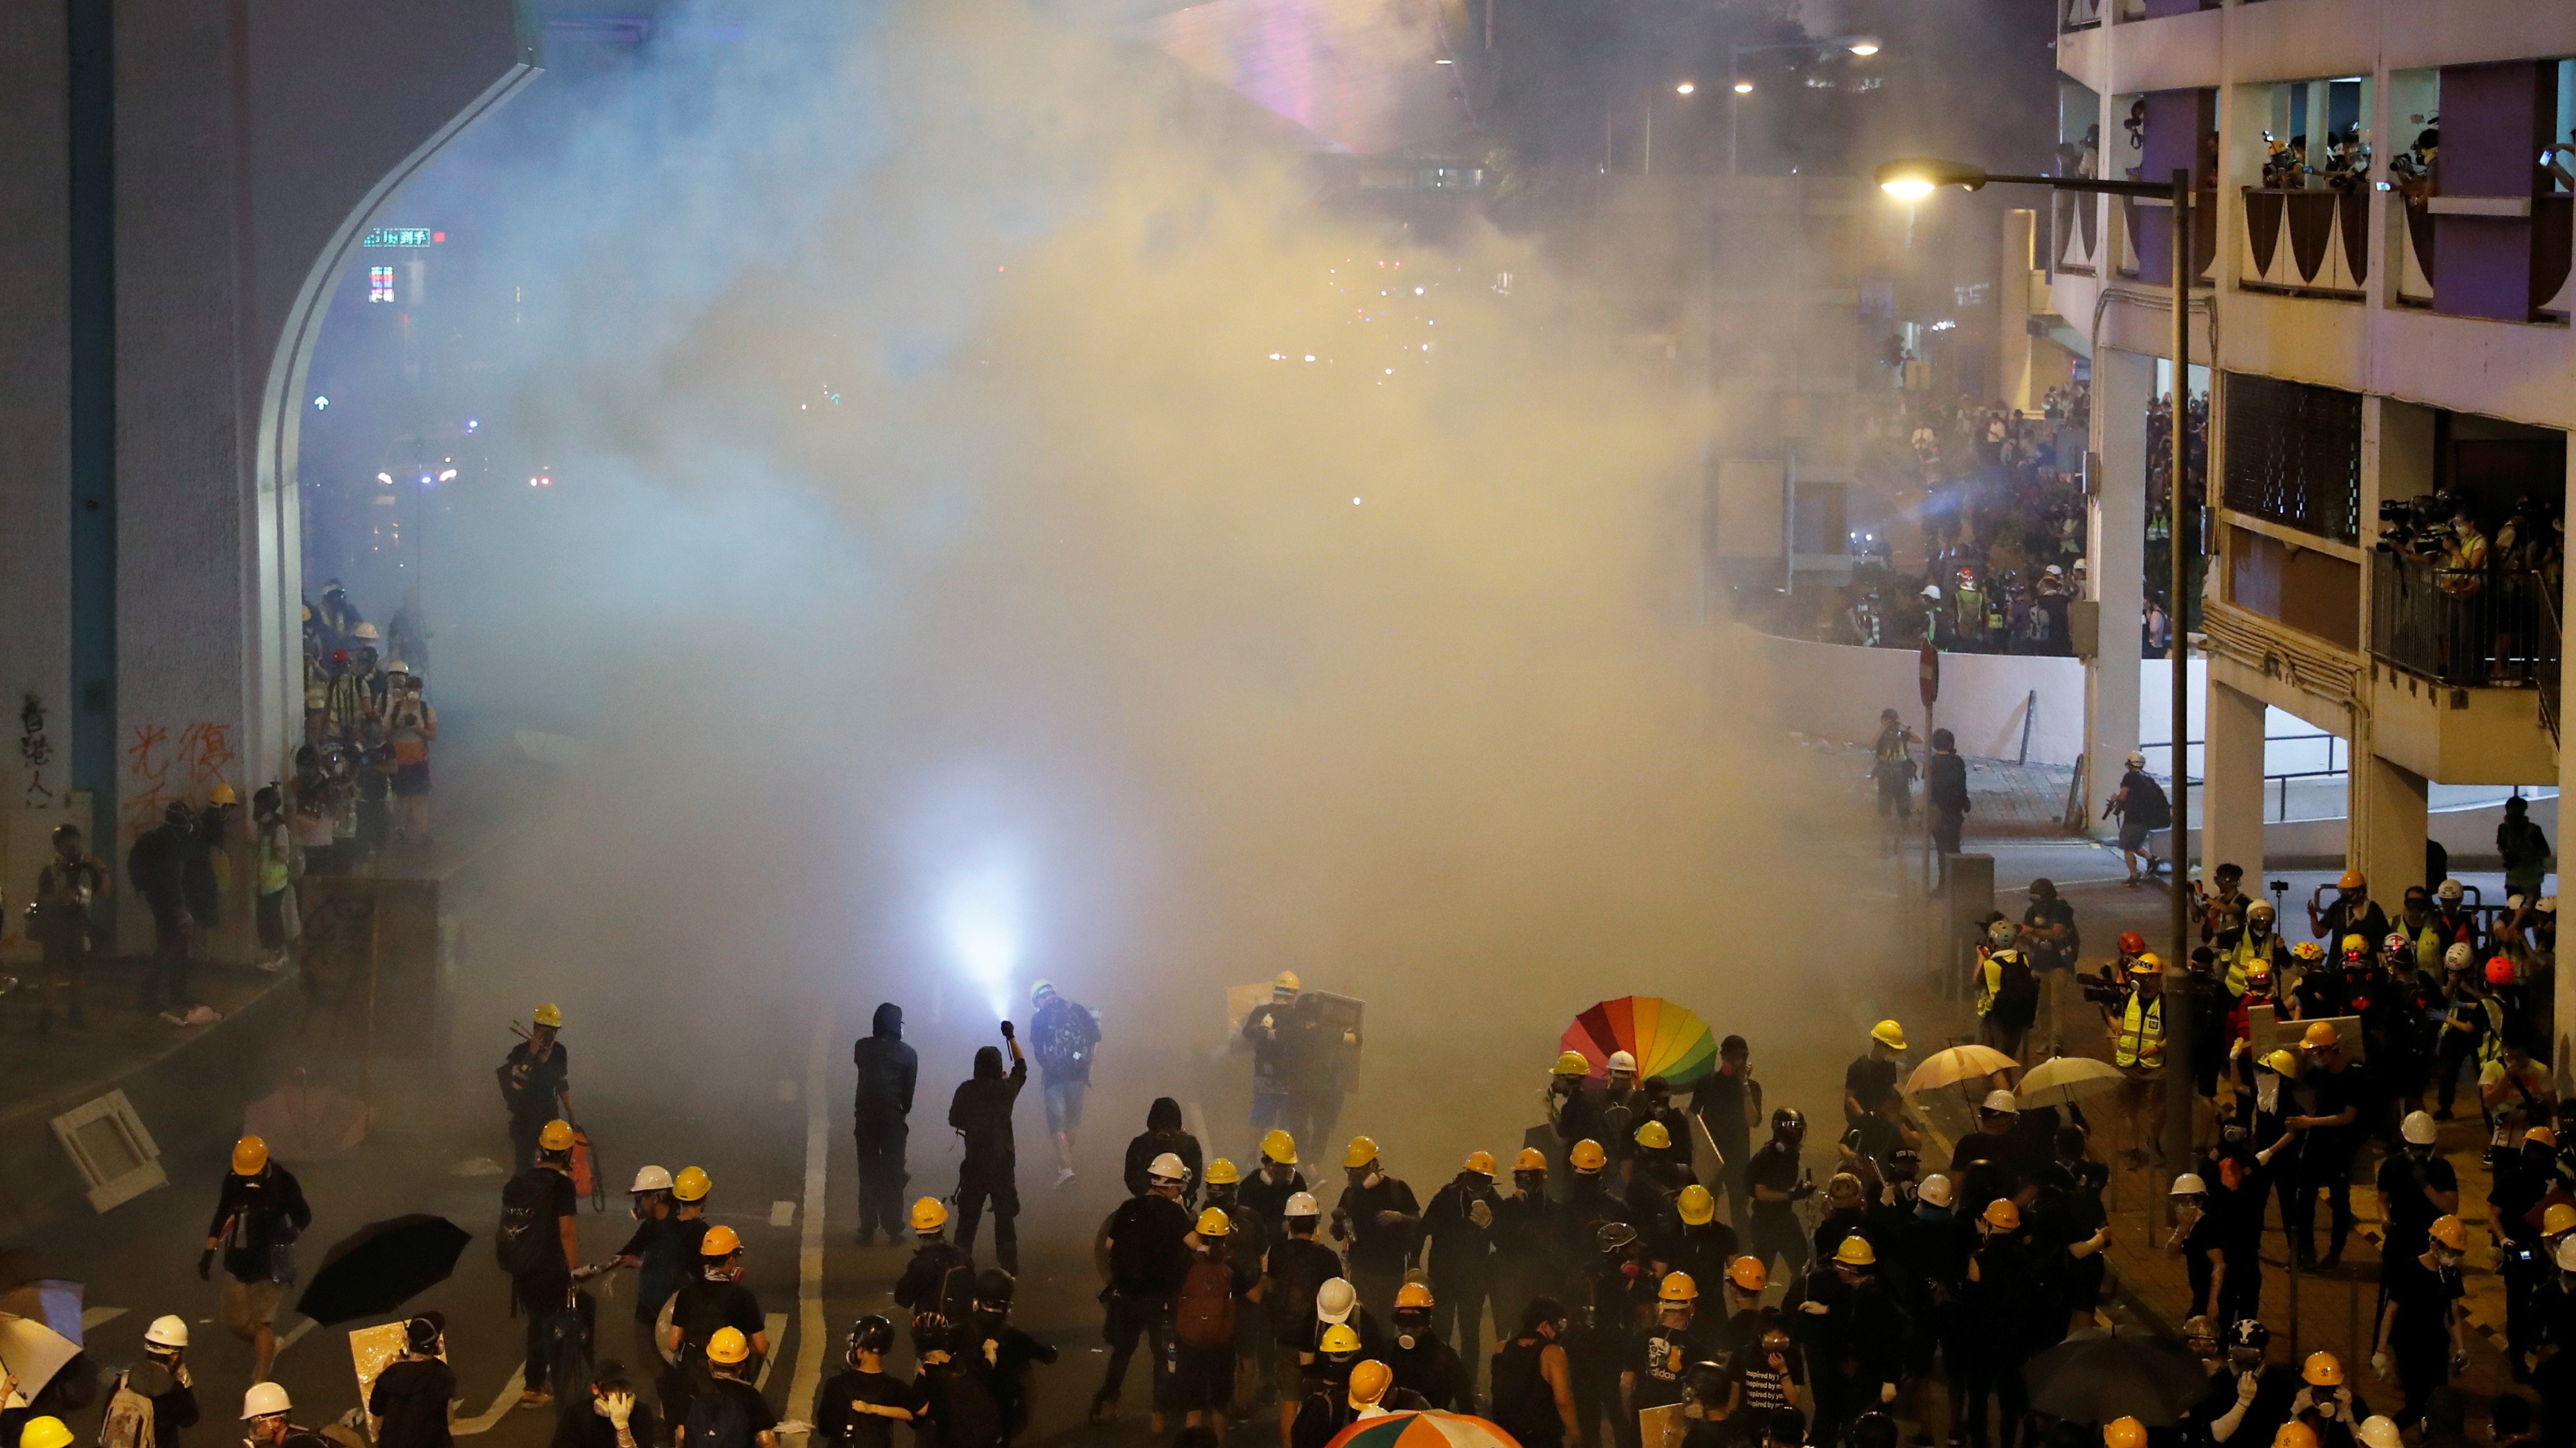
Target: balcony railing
{"x":2079,"y":14}
{"x":2309,"y":243}
{"x":2463,"y":629}
{"x":2553,"y":244}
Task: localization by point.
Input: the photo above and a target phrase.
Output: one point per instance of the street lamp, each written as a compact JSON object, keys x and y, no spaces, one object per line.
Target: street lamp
{"x":1685,"y":88}
{"x":1863,"y":46}
{"x":1913,"y":180}
{"x":1646,"y":167}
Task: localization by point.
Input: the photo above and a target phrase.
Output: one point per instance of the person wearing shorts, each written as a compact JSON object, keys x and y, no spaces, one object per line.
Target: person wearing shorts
{"x":258,"y":1214}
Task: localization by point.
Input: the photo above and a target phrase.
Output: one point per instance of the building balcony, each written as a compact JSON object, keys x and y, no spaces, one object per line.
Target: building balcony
{"x":2080,"y":14}
{"x":2509,"y":256}
{"x":2464,"y":672}
{"x":2305,"y":243}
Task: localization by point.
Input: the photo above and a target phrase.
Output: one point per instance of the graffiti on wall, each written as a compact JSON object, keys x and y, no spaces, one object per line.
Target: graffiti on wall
{"x":161,"y":769}
{"x":35,"y":751}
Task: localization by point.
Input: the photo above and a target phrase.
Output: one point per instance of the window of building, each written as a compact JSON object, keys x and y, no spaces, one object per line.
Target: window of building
{"x":2293,"y":454}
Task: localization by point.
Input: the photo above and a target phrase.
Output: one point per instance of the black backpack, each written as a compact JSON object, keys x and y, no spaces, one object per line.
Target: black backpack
{"x":715,"y":1420}
{"x":525,"y":1242}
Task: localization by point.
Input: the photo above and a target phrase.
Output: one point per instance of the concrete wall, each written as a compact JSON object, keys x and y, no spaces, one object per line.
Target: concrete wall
{"x":35,"y":395}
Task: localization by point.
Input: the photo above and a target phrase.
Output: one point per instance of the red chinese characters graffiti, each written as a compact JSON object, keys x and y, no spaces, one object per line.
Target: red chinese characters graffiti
{"x":160,"y":770}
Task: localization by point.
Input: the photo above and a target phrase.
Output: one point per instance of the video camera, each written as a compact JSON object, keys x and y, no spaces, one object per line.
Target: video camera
{"x":2102,"y":990}
{"x":2419,"y":524}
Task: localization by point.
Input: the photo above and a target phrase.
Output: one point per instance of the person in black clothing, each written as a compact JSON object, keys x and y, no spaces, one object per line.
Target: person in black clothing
{"x":860,"y":1406}
{"x":657,"y":1252}
{"x":2553,"y":1354}
{"x":66,"y":887}
{"x":2351,"y":912}
{"x":1872,"y":1075}
{"x":1376,"y":1216}
{"x":536,"y":1085}
{"x":1422,"y":1362}
{"x":616,"y":1418}
{"x":1266,"y":1192}
{"x":1533,"y":1385}
{"x":939,"y":1279}
{"x":711,"y":1304}
{"x":408,"y":1403}
{"x":542,"y":1199}
{"x":1271,"y":1029}
{"x":157,"y":866}
{"x":727,"y":1391}
{"x":2330,"y":1132}
{"x":1652,"y":1375}
{"x":880,"y":1117}
{"x":1148,"y":1257}
{"x":1163,"y":1133}
{"x":1945,"y":792}
{"x":1703,"y":1246}
{"x":2143,"y":809}
{"x":1068,"y":1038}
{"x":1777,"y":1186}
{"x":259,"y":1210}
{"x":958,"y":1409}
{"x":1726,"y":1101}
{"x":1529,"y":1241}
{"x":2248,"y":1400}
{"x":1294,"y":1269}
{"x":2523,"y":1179}
{"x":1008,"y":1353}
{"x":203,"y":893}
{"x":2415,"y":1186}
{"x":2003,"y":1298}
{"x":2423,"y":1328}
{"x":981,"y":1114}
{"x":1456,"y":1251}
{"x":163,"y":1377}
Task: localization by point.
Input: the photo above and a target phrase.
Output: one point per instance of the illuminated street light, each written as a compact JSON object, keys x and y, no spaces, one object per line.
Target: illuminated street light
{"x":1744,"y":87}
{"x":1685,"y":88}
{"x":1918,"y":177}
{"x":1862,"y":45}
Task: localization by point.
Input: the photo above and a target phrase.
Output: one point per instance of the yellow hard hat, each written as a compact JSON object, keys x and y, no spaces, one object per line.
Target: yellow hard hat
{"x":1588,"y":1155}
{"x":1653,"y":1137}
{"x":1855,"y":1251}
{"x":728,"y":1346}
{"x":1748,"y":1273}
{"x":2294,"y":1434}
{"x":548,"y":1015}
{"x":1223,"y":1173}
{"x":1678,"y":1287}
{"x":2352,"y":880}
{"x":2124,"y":1433}
{"x":2148,"y":963}
{"x":2543,"y":1135}
{"x":2321,"y":1033}
{"x":249,"y":1155}
{"x":1361,"y":1152}
{"x":691,"y":1185}
{"x":2322,"y":1370}
{"x":1369,"y":1381}
{"x":1339,"y":1338}
{"x":1287,"y":980}
{"x":1571,"y":1063}
{"x":2558,"y":1218}
{"x":1480,"y":1161}
{"x":1530,"y":1159}
{"x":2448,"y":1231}
{"x":2005,"y":1213}
{"x":2354,"y":944}
{"x":557,"y":1136}
{"x":720,"y":1241}
{"x":2281,"y":1063}
{"x":1697,"y":1207}
{"x":2308,"y":950}
{"x":223,"y":794}
{"x":1213,"y":1223}
{"x":1888,"y":1034}
{"x":47,"y":1432}
{"x":928,"y":1215}
{"x":1280,"y":1147}
{"x":1413,"y":1294}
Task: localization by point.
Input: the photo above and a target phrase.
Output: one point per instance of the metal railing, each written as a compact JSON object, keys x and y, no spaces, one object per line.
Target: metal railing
{"x":2079,"y":14}
{"x":2549,"y":647}
{"x":2466,"y":629}
{"x":2335,"y":744}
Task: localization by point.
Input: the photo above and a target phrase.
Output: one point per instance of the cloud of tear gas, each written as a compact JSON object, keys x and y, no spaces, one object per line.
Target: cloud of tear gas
{"x":1007,"y":527}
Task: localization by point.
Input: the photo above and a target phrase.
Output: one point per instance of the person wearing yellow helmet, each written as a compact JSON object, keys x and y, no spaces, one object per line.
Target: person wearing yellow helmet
{"x":1700,"y":1244}
{"x":1651,"y":1375}
{"x":1872,"y":1074}
{"x":1529,"y":1234}
{"x":724,"y":1405}
{"x":259,"y":1209}
{"x":1457,"y":1254}
{"x":2422,"y":1337}
{"x":2330,"y":1132}
{"x":712,"y":1311}
{"x":536,"y":1084}
{"x":1149,"y":1256}
{"x":1247,"y":1240}
{"x":880,"y":1121}
{"x":538,"y":1245}
{"x":1277,"y":1034}
{"x":1566,"y":1080}
{"x":1268,"y":1189}
{"x":1375,"y":1216}
{"x":1424,"y":1364}
{"x":938,"y":1280}
{"x":1204,"y":1317}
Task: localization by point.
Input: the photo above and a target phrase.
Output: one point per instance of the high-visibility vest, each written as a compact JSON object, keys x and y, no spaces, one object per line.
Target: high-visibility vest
{"x":2142,"y":1033}
{"x":2245,"y":952}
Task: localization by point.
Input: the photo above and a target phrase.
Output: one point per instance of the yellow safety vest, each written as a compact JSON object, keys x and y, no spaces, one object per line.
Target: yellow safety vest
{"x":2245,"y":952}
{"x":2142,"y":1033}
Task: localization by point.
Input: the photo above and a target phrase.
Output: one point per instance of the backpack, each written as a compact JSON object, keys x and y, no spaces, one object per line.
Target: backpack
{"x":1206,"y":1314}
{"x":128,"y":1423}
{"x":715,"y":1420}
{"x":2016,"y":988}
{"x":967,"y":1414}
{"x":1524,"y":1404}
{"x":524,"y":1242}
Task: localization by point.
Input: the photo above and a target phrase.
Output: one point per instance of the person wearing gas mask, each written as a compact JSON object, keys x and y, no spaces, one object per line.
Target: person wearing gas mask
{"x":2423,"y":1328}
{"x":2248,"y":1399}
{"x":1778,"y":1184}
{"x":1009,"y":1354}
{"x":1422,"y":1363}
{"x":2414,"y":1186}
{"x":1657,"y":1362}
{"x":1702,"y":1245}
{"x":1529,"y":1242}
{"x":1456,"y":1250}
{"x":1615,"y":1288}
{"x":2552,"y":1361}
{"x":860,"y":1406}
{"x":1708,"y":1398}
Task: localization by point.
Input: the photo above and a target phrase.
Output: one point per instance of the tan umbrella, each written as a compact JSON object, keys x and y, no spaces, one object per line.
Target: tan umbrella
{"x":1957,"y":1064}
{"x":2065,"y":1080}
{"x":32,"y":1353}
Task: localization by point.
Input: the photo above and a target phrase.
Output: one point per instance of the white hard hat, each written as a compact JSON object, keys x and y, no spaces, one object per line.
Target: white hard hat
{"x":2567,"y":1253}
{"x":1935,"y":1189}
{"x":2189,"y":1184}
{"x":364,"y":631}
{"x":2379,"y":1432}
{"x":2458,"y":956}
{"x":2417,"y":1128}
{"x":2548,"y":905}
{"x":1622,"y":1061}
{"x":651,"y":1179}
{"x":397,"y":666}
{"x":2003,"y":1103}
{"x":167,"y":1332}
{"x":1302,"y":1204}
{"x":264,"y":1399}
{"x":1167,"y":1167}
{"x":1335,"y":1299}
{"x":1932,"y":591}
{"x":2450,"y":890}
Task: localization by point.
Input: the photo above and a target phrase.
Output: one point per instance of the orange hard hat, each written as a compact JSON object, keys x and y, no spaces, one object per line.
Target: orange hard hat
{"x":2003,"y":1213}
{"x":1748,"y":1274}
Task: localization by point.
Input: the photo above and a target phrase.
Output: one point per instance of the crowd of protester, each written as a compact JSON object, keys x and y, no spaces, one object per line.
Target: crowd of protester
{"x":361,"y":780}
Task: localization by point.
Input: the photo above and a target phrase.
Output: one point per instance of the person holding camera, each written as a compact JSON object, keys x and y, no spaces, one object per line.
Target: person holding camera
{"x":980,"y":1113}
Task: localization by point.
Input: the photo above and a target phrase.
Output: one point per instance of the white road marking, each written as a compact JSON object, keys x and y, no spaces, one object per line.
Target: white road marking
{"x":484,"y":1421}
{"x":782,"y":1214}
{"x":809,"y":1254}
{"x":776,"y":1326}
{"x":292,"y":1338}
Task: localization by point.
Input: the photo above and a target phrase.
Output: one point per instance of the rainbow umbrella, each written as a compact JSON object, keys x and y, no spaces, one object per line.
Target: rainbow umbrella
{"x":1423,"y":1430}
{"x":1666,"y":1040}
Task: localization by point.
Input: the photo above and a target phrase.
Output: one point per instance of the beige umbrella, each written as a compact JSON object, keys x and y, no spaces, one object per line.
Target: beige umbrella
{"x":32,"y":1353}
{"x":1957,"y":1064}
{"x":2065,"y":1080}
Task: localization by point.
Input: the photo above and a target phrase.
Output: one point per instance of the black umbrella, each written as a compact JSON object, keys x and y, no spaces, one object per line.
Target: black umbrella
{"x":2097,"y":1375}
{"x":381,"y":1266}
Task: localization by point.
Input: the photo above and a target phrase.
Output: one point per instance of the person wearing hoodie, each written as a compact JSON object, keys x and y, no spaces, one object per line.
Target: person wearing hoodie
{"x":980,"y":1113}
{"x":888,"y":1070}
{"x":1163,"y":1133}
